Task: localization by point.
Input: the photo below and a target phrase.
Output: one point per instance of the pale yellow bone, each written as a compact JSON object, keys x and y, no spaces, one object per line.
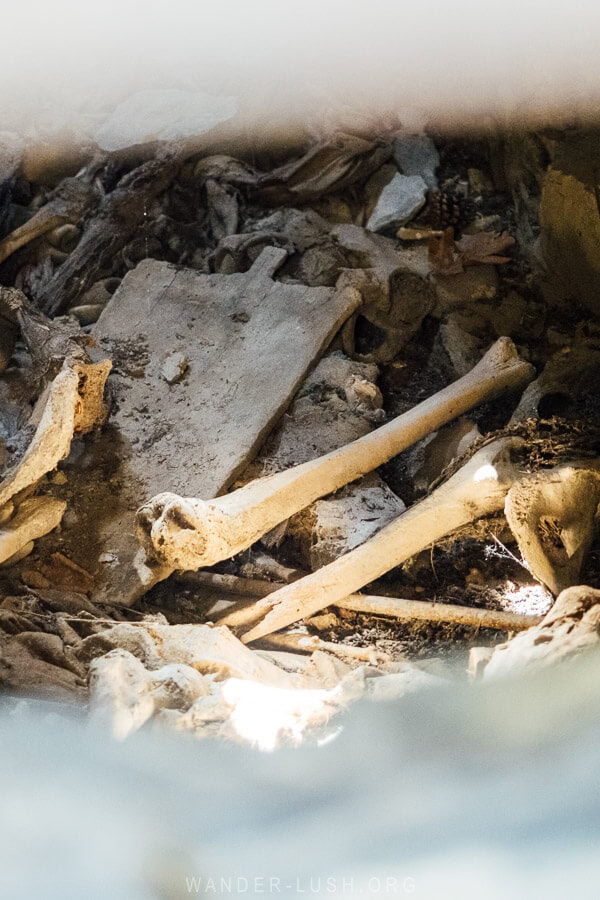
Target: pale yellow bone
{"x":187,"y":533}
{"x":477,"y":489}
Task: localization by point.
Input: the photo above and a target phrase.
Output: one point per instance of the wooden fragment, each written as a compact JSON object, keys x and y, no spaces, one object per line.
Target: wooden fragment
{"x":119,"y":216}
{"x":247,"y":341}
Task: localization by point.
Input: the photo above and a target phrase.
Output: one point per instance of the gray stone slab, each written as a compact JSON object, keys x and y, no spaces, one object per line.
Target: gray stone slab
{"x":204,"y":365}
{"x":399,"y":201}
{"x":416,"y":154}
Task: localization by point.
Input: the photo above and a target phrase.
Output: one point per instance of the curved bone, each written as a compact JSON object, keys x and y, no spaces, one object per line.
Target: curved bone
{"x":551,"y":515}
{"x":478,"y":489}
{"x":33,"y":519}
{"x":73,"y":404}
{"x":187,"y":533}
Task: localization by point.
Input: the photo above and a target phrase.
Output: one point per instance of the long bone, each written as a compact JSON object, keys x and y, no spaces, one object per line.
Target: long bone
{"x":477,"y":489}
{"x":188,"y":533}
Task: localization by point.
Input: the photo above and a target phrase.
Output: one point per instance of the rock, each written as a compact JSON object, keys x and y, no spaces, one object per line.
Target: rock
{"x":23,"y":672}
{"x":162,"y":115}
{"x":459,"y":337}
{"x":338,"y":403}
{"x":87,"y":314}
{"x":325,"y":415}
{"x":398,"y":203}
{"x":174,"y":367}
{"x":569,"y":242}
{"x":374,"y":186}
{"x":568,"y":380}
{"x":340,"y":523}
{"x":507,"y":316}
{"x":429,"y":458}
{"x":416,"y":154}
{"x":394,"y":306}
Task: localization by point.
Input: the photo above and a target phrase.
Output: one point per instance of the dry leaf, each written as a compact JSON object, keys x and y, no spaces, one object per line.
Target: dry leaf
{"x":329,"y":166}
{"x":449,"y":257}
{"x":484,"y":247}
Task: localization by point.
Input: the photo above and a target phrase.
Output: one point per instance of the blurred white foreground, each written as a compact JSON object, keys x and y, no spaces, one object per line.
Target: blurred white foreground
{"x":461,"y":793}
{"x":66,"y":66}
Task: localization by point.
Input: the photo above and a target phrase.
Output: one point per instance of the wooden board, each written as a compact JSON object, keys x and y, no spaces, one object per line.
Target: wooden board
{"x":245,"y":343}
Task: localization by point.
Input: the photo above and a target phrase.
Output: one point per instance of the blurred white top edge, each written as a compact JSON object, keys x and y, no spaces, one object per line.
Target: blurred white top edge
{"x":69,"y":65}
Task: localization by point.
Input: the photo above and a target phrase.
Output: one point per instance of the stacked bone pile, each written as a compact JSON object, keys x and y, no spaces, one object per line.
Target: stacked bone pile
{"x":323,"y":371}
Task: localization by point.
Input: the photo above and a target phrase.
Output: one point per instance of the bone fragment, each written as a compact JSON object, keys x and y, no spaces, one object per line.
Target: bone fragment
{"x":552,"y":516}
{"x":569,"y":628}
{"x":34,"y":518}
{"x":242,"y":613}
{"x":73,"y":403}
{"x":124,"y":694}
{"x":70,"y":202}
{"x":187,"y":533}
{"x":476,"y":490}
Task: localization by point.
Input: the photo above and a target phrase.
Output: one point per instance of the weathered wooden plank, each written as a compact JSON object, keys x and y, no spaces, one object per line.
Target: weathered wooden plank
{"x":204,"y":365}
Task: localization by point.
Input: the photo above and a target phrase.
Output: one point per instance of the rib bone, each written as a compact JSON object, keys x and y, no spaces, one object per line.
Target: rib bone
{"x":476,"y":490}
{"x":187,"y":533}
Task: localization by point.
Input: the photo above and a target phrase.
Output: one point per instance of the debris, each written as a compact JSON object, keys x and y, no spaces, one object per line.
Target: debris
{"x":87,"y":313}
{"x":479,"y":283}
{"x":71,"y":202}
{"x":213,"y":688}
{"x":120,"y":214}
{"x":399,"y":202}
{"x":436,"y":452}
{"x":341,"y":523}
{"x":23,"y":672}
{"x":51,"y":343}
{"x":484,"y":247}
{"x":174,"y":367}
{"x":462,"y":335}
{"x":186,"y":533}
{"x":443,"y":257}
{"x":73,"y":405}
